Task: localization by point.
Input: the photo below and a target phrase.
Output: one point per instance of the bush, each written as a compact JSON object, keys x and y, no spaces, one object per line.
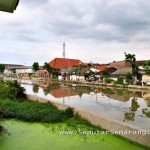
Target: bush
{"x":34,"y":111}
{"x":108,"y":80}
{"x":69,"y":112}
{"x":11,"y":90}
{"x":119,"y":81}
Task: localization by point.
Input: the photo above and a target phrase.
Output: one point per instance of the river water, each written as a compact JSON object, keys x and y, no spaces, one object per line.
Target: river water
{"x":120,"y":104}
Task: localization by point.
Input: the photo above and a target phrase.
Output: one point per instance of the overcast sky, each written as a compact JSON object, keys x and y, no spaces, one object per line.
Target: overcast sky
{"x":99,"y":31}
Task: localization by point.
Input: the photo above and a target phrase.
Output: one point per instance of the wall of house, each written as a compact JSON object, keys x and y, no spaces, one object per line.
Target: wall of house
{"x":146,"y":79}
{"x":21,"y":71}
{"x":73,"y":78}
{"x":60,"y":78}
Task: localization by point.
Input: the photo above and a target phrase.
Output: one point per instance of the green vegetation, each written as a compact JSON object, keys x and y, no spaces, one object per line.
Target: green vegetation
{"x":32,"y":75}
{"x":119,"y":81}
{"x":18,"y":107}
{"x":34,"y":111}
{"x":132,"y":59}
{"x":108,"y":80}
{"x":146,"y":65}
{"x":11,"y":90}
{"x":2,"y":68}
{"x":37,"y":136}
{"x":1,"y":118}
{"x":104,"y":74}
{"x":35,"y":66}
{"x":48,"y":67}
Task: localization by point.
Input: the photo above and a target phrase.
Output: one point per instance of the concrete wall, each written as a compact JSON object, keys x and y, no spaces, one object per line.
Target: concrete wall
{"x":105,"y":123}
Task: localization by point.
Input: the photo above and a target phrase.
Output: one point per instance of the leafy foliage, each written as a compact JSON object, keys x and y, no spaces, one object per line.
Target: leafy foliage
{"x":119,"y":81}
{"x":34,"y":111}
{"x":2,"y":68}
{"x":104,"y":74}
{"x":11,"y":90}
{"x":130,"y":57}
{"x":108,"y":80}
{"x":146,"y":65}
{"x":35,"y":66}
{"x":48,"y":67}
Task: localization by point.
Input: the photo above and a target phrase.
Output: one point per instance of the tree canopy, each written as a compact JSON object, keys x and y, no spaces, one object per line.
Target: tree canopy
{"x":146,"y":65}
{"x":132,"y":59}
{"x":48,"y":67}
{"x":2,"y":68}
{"x":35,"y":66}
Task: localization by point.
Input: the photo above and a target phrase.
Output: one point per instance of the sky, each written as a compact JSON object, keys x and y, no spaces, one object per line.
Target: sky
{"x":97,"y":31}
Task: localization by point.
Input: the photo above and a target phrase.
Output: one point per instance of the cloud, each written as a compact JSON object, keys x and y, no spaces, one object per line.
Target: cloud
{"x":38,"y":24}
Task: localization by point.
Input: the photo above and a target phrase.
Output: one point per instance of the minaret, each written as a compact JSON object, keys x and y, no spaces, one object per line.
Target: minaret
{"x":64,"y":53}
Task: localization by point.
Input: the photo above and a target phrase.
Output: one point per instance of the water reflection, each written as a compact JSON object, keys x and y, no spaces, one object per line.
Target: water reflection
{"x":58,"y":91}
{"x":130,"y":106}
{"x":129,"y":116}
{"x":35,"y":88}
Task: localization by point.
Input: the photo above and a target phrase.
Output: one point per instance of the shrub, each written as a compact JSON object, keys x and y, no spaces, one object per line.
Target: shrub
{"x":69,"y":112}
{"x":11,"y":90}
{"x":34,"y":111}
{"x":119,"y":81}
{"x":108,"y":80}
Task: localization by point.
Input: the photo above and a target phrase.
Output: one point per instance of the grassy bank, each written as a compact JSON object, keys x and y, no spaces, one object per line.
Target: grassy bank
{"x":34,"y":111}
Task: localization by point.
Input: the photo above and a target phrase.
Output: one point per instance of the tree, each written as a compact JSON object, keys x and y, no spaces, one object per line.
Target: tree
{"x":48,"y":67}
{"x":129,"y":77}
{"x":132,"y":59}
{"x":35,"y":66}
{"x":2,"y":68}
{"x":1,"y":117}
{"x":104,"y":74}
{"x":146,"y":65}
{"x":89,"y":65}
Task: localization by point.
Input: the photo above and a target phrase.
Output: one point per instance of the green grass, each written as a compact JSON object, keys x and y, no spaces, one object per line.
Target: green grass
{"x":33,"y":111}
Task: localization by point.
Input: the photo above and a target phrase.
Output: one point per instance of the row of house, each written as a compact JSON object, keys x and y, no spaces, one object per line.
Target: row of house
{"x":76,"y":70}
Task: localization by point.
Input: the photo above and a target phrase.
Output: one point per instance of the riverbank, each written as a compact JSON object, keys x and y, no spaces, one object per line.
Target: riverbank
{"x":128,"y":131}
{"x":95,"y":84}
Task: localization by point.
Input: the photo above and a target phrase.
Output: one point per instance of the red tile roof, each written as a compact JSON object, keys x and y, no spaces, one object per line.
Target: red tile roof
{"x":101,"y":67}
{"x":59,"y":63}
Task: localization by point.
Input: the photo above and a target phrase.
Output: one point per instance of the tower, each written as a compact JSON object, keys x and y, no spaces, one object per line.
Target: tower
{"x":64,"y":53}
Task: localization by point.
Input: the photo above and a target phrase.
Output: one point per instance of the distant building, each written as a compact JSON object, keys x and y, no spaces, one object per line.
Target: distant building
{"x":60,"y":63}
{"x":121,"y":64}
{"x":18,"y":69}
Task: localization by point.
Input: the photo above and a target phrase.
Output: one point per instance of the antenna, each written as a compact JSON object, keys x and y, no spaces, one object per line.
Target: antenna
{"x":64,"y":53}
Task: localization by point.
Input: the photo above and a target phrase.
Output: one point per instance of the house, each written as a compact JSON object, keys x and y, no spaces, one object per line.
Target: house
{"x":64,"y":74}
{"x":43,"y":73}
{"x":121,"y":64}
{"x":61,"y":63}
{"x":121,"y":73}
{"x":18,"y":69}
{"x":145,"y":79}
{"x":78,"y":73}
